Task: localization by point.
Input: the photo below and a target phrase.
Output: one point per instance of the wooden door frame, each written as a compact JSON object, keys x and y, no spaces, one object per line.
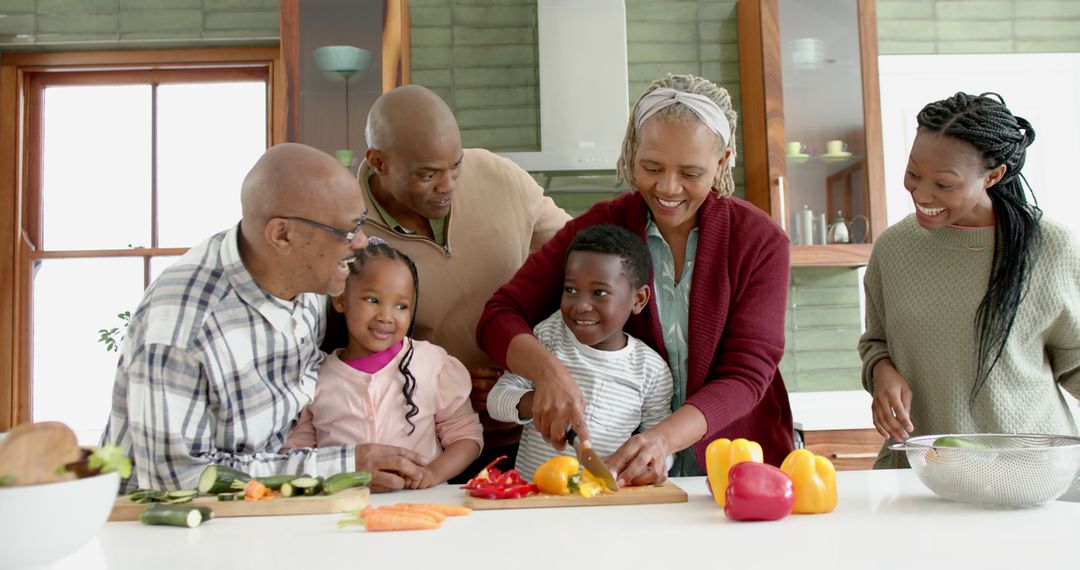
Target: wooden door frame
{"x":18,"y":212}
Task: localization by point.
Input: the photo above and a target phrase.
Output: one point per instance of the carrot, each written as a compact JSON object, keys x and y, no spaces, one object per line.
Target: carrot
{"x":393,"y":519}
{"x":448,"y":510}
{"x":254,"y":490}
{"x":433,"y":515}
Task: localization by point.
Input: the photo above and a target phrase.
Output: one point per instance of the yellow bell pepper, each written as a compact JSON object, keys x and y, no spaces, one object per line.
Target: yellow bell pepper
{"x":720,"y":455}
{"x":554,"y":475}
{"x":560,"y":476}
{"x":814,"y":478}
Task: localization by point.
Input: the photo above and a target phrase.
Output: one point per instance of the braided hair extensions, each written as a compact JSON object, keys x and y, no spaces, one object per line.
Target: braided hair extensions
{"x":984,"y":122}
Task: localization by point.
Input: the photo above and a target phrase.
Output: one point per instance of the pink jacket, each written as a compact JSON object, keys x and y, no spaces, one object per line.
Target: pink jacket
{"x":353,"y":407}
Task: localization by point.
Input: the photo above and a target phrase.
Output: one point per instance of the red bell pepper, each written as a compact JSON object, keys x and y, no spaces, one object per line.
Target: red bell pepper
{"x":758,"y":492}
{"x":491,"y":483}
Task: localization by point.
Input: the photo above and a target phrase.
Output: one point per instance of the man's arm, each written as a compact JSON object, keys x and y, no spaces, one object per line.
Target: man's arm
{"x":173,"y":428}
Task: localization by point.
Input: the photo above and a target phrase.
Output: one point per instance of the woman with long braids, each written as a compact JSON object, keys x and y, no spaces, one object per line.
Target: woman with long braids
{"x":386,"y":388}
{"x":720,"y":280}
{"x":973,"y":301}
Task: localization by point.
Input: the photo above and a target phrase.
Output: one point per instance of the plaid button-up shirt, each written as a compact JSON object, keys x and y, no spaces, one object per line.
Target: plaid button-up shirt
{"x":214,"y":369}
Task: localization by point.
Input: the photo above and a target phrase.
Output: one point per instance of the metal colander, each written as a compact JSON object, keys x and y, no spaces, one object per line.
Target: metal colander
{"x":1011,"y":470}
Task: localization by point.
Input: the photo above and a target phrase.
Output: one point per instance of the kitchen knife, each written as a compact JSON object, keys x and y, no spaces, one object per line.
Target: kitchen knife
{"x":592,"y":462}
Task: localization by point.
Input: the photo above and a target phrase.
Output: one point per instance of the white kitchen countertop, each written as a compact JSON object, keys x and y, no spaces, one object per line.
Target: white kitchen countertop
{"x":884,"y":519}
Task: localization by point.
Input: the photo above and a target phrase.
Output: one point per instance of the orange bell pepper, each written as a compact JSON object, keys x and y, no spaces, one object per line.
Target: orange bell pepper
{"x":815,"y":481}
{"x":721,"y":455}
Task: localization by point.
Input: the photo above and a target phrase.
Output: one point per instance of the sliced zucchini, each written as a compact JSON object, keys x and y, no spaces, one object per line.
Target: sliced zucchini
{"x":343,"y":481}
{"x":172,"y":515}
{"x":275,"y":482}
{"x":308,"y":485}
{"x":219,"y":479}
{"x":230,"y":496}
{"x":288,"y":490}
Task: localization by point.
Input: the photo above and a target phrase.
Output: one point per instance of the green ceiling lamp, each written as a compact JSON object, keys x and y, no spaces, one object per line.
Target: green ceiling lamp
{"x":341,"y":63}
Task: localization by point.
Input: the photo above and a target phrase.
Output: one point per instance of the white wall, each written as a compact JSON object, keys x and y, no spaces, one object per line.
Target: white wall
{"x":1042,"y":88}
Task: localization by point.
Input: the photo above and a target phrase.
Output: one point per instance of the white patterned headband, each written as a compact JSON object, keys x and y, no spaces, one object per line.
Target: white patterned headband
{"x":706,"y":109}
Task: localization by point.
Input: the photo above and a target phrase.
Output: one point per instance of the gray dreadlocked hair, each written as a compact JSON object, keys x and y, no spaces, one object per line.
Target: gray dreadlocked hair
{"x":725,"y":184}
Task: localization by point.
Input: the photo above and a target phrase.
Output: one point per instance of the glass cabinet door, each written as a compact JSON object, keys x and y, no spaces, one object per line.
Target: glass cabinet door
{"x":823,"y":122}
{"x":812,"y":127}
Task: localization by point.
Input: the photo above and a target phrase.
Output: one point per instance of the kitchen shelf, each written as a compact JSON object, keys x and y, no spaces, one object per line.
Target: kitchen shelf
{"x":832,"y":255}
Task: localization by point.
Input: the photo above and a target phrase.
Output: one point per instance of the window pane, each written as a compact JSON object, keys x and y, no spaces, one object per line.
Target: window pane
{"x":73,"y":372}
{"x":209,"y":136}
{"x":161,"y":263}
{"x":96,"y":164}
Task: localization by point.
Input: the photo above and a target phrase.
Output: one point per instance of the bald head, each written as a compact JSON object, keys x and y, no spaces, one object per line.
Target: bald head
{"x":295,"y":180}
{"x":409,"y":115}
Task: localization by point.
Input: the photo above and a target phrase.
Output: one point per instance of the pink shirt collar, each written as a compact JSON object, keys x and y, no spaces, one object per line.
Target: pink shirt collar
{"x":373,"y":363}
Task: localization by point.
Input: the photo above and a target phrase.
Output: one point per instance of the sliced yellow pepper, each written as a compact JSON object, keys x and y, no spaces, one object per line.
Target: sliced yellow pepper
{"x":814,"y":479}
{"x":588,"y":485}
{"x":720,"y":455}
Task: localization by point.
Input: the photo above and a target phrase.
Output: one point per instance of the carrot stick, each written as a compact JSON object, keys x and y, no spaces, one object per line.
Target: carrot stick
{"x":391,"y":519}
{"x":254,"y":490}
{"x":448,"y":510}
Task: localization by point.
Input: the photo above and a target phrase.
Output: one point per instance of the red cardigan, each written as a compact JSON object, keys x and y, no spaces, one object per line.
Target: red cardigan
{"x":738,"y":300}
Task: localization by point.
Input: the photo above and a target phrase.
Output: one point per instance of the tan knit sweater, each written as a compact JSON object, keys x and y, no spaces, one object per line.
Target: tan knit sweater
{"x":923,"y":289}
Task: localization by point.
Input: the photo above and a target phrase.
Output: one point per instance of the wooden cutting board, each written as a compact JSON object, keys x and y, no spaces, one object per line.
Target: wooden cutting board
{"x":666,"y":492}
{"x":348,"y":500}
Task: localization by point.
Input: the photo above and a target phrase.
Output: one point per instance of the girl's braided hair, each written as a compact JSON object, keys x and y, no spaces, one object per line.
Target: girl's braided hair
{"x":984,"y":122}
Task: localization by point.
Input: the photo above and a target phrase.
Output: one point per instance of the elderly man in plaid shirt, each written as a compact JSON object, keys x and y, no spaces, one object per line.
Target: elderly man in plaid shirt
{"x":222,"y":353}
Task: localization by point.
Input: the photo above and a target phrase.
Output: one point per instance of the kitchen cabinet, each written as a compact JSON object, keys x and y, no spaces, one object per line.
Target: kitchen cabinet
{"x":327,"y":98}
{"x":811,"y":124}
{"x":847,"y":449}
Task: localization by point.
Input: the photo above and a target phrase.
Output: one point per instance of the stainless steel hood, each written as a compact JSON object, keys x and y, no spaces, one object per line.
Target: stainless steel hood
{"x":583,"y":86}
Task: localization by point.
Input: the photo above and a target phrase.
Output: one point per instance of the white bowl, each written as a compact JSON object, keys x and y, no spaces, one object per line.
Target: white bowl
{"x":44,"y":523}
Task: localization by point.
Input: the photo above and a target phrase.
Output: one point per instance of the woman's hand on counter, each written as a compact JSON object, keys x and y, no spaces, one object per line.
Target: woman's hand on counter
{"x":892,"y":402}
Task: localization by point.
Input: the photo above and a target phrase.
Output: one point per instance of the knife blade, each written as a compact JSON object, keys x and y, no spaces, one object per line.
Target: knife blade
{"x":591,"y":461}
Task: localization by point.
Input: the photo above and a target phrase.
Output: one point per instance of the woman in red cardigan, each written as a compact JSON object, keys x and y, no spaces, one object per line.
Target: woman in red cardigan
{"x":720,"y":285}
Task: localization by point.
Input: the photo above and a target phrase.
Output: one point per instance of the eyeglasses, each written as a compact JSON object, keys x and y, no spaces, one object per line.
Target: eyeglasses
{"x":348,"y":235}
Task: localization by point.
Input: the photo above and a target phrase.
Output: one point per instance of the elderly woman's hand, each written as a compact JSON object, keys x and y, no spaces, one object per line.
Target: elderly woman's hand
{"x":557,"y":400}
{"x":642,"y":460}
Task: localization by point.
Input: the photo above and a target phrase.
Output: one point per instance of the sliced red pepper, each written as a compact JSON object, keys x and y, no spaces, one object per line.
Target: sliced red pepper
{"x":491,"y":483}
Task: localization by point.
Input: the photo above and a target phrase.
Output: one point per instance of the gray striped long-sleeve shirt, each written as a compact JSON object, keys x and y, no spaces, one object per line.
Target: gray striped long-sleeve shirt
{"x":214,"y":369}
{"x":625,"y":390}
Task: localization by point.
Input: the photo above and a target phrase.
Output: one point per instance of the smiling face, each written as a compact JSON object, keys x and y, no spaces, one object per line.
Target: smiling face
{"x":598,"y":298}
{"x":948,"y":180}
{"x":378,"y":306}
{"x":675,"y":166}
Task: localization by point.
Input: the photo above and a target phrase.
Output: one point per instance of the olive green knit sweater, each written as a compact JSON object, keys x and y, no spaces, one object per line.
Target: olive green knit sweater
{"x":923,"y":289}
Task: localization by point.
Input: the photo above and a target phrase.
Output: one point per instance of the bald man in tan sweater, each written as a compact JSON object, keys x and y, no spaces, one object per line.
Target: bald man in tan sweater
{"x":467,"y":217}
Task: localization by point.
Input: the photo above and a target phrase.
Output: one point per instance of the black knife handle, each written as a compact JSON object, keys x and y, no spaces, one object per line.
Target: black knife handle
{"x":571,"y":435}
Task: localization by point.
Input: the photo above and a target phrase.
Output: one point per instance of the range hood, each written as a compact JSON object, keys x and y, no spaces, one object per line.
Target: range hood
{"x":583,"y":86}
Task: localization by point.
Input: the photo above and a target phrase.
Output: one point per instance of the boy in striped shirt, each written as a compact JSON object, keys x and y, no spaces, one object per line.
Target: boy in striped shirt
{"x":627,"y":385}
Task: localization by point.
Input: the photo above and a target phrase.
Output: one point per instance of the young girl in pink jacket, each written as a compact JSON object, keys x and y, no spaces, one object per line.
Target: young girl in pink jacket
{"x":385,"y":387}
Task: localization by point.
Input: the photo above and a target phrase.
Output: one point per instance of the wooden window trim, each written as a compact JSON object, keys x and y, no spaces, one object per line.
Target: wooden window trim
{"x":20,"y":212}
